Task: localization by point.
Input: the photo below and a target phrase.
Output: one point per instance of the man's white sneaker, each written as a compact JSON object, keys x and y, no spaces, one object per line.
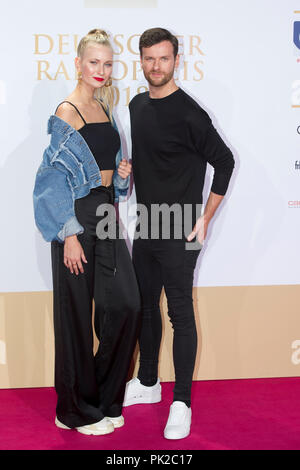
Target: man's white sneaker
{"x":179,"y":421}
{"x":136,"y":393}
{"x":118,"y":422}
{"x":104,"y":426}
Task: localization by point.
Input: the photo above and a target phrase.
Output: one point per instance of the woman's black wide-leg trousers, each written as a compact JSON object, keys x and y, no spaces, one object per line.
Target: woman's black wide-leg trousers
{"x":90,"y":386}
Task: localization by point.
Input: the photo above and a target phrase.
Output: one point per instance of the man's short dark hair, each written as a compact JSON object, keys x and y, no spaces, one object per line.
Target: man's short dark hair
{"x":153,"y":36}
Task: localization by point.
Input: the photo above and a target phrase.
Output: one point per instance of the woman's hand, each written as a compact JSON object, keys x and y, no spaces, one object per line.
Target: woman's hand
{"x":73,"y":254}
{"x":124,"y":168}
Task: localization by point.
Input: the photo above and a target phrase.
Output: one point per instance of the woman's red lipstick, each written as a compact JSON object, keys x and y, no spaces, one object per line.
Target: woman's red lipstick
{"x":99,"y":79}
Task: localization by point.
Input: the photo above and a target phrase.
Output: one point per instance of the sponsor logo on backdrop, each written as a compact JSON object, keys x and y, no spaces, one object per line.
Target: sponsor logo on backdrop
{"x":296,"y":354}
{"x":296,"y":40}
{"x":296,"y":37}
{"x":294,"y":204}
{"x":54,"y":59}
{"x":295,"y":98}
{"x":298,"y":129}
{"x":297,"y":34}
{"x":297,"y":165}
{"x":120,"y":3}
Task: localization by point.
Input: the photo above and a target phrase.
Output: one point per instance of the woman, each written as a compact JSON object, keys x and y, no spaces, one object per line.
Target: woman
{"x":83,"y":170}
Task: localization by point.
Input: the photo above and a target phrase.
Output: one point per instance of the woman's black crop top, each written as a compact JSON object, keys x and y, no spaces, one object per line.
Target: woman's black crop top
{"x":103,"y":141}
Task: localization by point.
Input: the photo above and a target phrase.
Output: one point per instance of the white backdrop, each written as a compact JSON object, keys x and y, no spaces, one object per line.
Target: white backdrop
{"x":238,"y":61}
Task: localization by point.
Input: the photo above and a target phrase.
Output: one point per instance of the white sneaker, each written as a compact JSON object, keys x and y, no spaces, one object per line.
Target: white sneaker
{"x":136,"y":393}
{"x":118,"y":422}
{"x":179,"y":421}
{"x":104,"y":426}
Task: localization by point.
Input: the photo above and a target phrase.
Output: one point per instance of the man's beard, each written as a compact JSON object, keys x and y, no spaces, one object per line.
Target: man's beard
{"x":163,"y":80}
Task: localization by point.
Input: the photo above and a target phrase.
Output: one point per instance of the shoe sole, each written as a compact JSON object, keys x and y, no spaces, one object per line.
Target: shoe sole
{"x":175,"y":438}
{"x":142,"y":401}
{"x":87,"y":432}
{"x":61,"y":425}
{"x":96,"y":433}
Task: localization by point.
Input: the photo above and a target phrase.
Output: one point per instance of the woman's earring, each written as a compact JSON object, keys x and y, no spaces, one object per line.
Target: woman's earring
{"x":79,"y":75}
{"x":108,"y":83}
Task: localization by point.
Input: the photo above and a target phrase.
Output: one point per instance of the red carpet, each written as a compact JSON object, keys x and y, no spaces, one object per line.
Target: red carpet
{"x":228,"y":414}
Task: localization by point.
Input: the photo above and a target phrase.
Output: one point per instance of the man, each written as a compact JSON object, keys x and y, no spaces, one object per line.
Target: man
{"x":172,"y":140}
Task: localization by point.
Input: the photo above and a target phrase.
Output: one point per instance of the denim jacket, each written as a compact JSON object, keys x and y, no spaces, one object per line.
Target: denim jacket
{"x":68,"y":172}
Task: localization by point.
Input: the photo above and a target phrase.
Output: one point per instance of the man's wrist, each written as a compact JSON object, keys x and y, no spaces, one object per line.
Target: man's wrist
{"x":207,"y":216}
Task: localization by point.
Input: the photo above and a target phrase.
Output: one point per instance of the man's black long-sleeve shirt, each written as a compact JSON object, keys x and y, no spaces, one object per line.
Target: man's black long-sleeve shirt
{"x":172,"y":140}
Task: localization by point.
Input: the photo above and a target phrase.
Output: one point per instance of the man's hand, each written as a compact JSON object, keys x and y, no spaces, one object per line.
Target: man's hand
{"x":201,"y":226}
{"x":200,"y":229}
{"x":124,"y":168}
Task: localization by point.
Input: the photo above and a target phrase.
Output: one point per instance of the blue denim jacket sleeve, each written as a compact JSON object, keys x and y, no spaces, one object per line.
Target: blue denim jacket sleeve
{"x":53,"y":195}
{"x":54,"y":204}
{"x":121,"y":185}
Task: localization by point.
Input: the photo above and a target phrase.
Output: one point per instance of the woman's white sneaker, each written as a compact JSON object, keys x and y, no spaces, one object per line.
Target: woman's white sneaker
{"x":118,"y":422}
{"x":59,"y":424}
{"x":179,"y":422}
{"x":136,"y":393}
{"x":105,"y":426}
